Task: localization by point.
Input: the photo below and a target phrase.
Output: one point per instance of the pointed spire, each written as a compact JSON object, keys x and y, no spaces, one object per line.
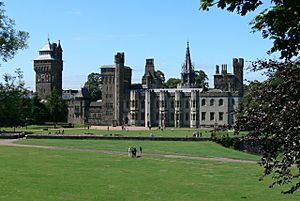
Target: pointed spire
{"x":188,"y":62}
{"x":187,"y":73}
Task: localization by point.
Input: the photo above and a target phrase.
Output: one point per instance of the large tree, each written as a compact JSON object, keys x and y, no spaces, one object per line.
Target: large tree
{"x":272,"y":108}
{"x":160,"y":76}
{"x":94,"y":86}
{"x":56,"y":107}
{"x":11,"y":39}
{"x":201,"y":79}
{"x":172,"y":82}
{"x":13,"y":104}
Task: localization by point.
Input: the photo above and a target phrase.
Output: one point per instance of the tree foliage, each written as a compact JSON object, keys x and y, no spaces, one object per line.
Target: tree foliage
{"x":39,"y":113}
{"x":12,"y":100}
{"x":201,"y":79}
{"x":279,"y":22}
{"x":172,"y":82}
{"x":272,"y":109}
{"x":56,"y":107}
{"x":11,"y":39}
{"x":160,"y":76}
{"x":94,"y":86}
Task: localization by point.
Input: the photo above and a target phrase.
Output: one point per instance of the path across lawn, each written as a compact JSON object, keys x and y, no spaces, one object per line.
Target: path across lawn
{"x":11,"y":142}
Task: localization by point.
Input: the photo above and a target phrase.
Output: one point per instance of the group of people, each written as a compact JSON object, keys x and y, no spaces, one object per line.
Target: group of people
{"x":132,"y":151}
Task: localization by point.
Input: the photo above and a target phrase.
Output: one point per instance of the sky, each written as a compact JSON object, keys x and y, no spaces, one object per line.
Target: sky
{"x":93,"y":31}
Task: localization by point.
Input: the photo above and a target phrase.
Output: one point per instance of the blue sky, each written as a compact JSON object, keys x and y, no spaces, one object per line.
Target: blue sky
{"x":92,"y":31}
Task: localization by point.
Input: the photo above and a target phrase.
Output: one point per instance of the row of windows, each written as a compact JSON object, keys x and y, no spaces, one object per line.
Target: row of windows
{"x":108,"y":105}
{"x":134,"y":103}
{"x":108,"y":80}
{"x":187,"y":103}
{"x":94,"y":115}
{"x":134,"y":116}
{"x":187,"y":116}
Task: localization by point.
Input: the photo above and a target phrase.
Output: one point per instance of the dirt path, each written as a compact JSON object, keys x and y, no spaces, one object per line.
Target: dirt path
{"x":11,"y":142}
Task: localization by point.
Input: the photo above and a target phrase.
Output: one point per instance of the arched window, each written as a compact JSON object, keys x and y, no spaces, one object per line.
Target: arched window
{"x":221,"y":102}
{"x":212,"y":102}
{"x":203,"y":102}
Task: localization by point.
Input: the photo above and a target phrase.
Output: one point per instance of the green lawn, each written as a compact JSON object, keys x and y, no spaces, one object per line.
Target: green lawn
{"x":204,"y":149}
{"x":178,"y":132}
{"x":37,"y":174}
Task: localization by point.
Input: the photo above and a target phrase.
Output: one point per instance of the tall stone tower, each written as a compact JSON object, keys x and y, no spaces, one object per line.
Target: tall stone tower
{"x":119,"y":87}
{"x":48,"y":67}
{"x":187,"y":73}
{"x":238,"y":68}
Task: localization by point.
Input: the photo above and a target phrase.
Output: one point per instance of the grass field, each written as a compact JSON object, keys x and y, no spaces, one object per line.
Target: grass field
{"x":178,"y":132}
{"x":39,"y":174}
{"x":203,"y":149}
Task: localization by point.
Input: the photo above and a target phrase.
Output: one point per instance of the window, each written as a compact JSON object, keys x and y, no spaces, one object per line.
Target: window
{"x":143,"y":104}
{"x":212,"y":102}
{"x":178,"y":103}
{"x":186,"y":116}
{"x":187,"y":105}
{"x":194,"y":103}
{"x":221,"y":114}
{"x":212,"y":116}
{"x":203,"y":102}
{"x":221,"y":102}
{"x":194,"y":117}
{"x":203,"y":116}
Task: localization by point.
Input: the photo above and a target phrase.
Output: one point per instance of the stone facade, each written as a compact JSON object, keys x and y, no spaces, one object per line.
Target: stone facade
{"x":145,"y":104}
{"x":78,"y":102}
{"x":116,"y":83}
{"x":48,"y":67}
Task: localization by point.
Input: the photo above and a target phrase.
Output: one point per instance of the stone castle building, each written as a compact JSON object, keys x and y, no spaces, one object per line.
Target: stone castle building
{"x":149,"y":104}
{"x":48,"y":67}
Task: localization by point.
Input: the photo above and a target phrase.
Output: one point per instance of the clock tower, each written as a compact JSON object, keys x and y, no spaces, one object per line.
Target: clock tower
{"x":48,"y":67}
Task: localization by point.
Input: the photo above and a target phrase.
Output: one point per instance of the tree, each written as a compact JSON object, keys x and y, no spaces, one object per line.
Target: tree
{"x":12,"y":100}
{"x":11,"y":39}
{"x":39,"y":113}
{"x":56,"y":107}
{"x":172,"y":82}
{"x":279,"y":22}
{"x":94,"y":86}
{"x":201,"y":79}
{"x":272,"y":108}
{"x":160,"y":76}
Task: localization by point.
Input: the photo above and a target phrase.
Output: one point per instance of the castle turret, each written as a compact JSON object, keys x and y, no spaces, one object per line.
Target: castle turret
{"x":238,"y":68}
{"x":119,"y":87}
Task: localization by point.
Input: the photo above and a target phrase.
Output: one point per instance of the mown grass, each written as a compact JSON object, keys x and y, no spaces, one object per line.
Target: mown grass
{"x":203,"y":149}
{"x":170,"y":132}
{"x":37,"y":174}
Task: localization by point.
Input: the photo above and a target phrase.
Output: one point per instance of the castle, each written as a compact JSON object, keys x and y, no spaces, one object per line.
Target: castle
{"x":148,"y":103}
